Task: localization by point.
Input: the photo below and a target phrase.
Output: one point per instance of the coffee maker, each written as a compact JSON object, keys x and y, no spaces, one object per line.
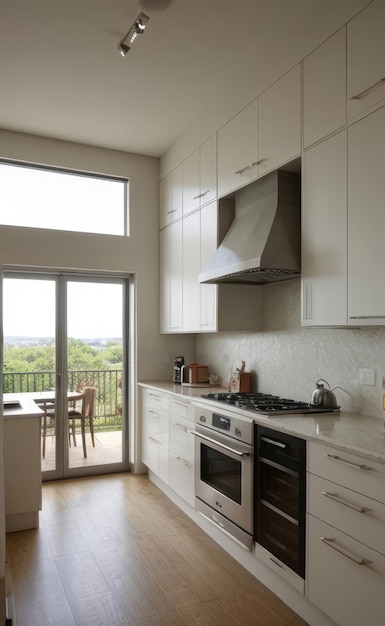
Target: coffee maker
{"x":177,"y":370}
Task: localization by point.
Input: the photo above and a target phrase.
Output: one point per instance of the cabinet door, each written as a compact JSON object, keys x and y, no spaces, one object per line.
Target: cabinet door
{"x":366,"y":59}
{"x":171,"y":278}
{"x":191,"y":183}
{"x":279,"y":122}
{"x":208,"y":242}
{"x":208,"y":171}
{"x":182,"y":474}
{"x":238,"y":151}
{"x":191,"y":268}
{"x":324,"y":233}
{"x":366,"y":251}
{"x":346,"y":579}
{"x":170,"y":192}
{"x":22,"y":466}
{"x":324,"y":89}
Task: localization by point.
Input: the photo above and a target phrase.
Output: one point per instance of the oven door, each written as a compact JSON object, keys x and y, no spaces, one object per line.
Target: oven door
{"x":224,"y":476}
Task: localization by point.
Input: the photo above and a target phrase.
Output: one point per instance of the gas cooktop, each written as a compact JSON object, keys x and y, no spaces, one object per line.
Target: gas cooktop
{"x":265,"y":403}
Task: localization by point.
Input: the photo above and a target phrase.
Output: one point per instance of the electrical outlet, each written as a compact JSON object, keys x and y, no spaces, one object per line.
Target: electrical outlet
{"x":367,"y":377}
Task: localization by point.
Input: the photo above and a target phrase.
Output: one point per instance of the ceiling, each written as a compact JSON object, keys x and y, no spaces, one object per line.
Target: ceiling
{"x":62,"y":76}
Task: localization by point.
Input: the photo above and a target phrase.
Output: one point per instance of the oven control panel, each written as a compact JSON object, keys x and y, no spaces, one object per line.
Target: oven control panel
{"x":226,"y":422}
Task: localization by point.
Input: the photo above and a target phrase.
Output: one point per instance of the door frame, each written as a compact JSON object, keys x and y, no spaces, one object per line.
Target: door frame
{"x":61,"y":279}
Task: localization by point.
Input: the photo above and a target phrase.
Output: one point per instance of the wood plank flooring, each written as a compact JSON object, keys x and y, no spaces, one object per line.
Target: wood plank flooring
{"x":113,"y":550}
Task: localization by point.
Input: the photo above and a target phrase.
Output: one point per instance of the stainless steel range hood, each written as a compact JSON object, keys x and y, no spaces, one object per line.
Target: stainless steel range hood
{"x":263,"y":243}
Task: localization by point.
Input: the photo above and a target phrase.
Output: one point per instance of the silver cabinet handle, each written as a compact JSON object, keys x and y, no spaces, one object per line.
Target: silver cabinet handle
{"x":153,"y":395}
{"x":367,"y":317}
{"x":154,"y":441}
{"x":369,"y":90}
{"x":273,"y":442}
{"x":200,"y":195}
{"x":182,"y":460}
{"x":243,"y":169}
{"x":259,"y":162}
{"x":180,"y":403}
{"x":349,"y":463}
{"x":153,"y":413}
{"x":171,"y":211}
{"x":336,"y":498}
{"x":182,"y":427}
{"x":331,"y":542}
{"x":221,"y":445}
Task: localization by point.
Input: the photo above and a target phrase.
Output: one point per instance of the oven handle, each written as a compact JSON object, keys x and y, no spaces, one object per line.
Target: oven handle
{"x":221,"y":445}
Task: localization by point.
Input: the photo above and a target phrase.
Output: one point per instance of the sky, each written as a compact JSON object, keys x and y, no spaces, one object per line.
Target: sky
{"x":94,"y":309}
{"x":58,"y":200}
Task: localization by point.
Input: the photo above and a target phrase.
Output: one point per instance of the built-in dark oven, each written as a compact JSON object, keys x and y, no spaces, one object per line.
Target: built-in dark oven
{"x":280,"y":496}
{"x":224,"y":465}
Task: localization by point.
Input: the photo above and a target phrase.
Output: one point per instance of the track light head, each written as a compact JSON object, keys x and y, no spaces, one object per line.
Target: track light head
{"x":136,"y":29}
{"x":123,"y":49}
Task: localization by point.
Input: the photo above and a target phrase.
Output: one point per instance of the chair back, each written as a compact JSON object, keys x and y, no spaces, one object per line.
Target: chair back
{"x":89,"y":401}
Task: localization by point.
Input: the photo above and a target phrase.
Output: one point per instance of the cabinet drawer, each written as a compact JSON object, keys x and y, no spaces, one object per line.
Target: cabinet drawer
{"x":359,"y":516}
{"x":180,"y":435}
{"x":181,"y":409}
{"x":155,"y":400}
{"x":182,"y":474}
{"x":347,"y":469}
{"x":346,"y":579}
{"x":155,"y":421}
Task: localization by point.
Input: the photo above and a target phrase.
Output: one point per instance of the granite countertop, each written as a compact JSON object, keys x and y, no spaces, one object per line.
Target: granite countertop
{"x":352,"y":432}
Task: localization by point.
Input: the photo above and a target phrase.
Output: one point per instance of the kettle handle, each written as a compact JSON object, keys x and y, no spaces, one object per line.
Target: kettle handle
{"x":322,"y":380}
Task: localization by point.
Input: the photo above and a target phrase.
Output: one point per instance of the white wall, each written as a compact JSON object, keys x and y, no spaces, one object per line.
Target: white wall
{"x":137,"y":254}
{"x":286,"y":359}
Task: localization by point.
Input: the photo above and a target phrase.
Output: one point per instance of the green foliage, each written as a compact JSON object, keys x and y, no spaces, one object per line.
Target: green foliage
{"x":81,"y":356}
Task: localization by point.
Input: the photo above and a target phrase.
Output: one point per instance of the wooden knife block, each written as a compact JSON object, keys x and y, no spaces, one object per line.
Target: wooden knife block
{"x":240,"y":384}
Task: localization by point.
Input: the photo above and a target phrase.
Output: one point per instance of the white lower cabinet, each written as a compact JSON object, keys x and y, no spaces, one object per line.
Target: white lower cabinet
{"x":182,"y":450}
{"x":346,"y":578}
{"x":346,"y":538}
{"x":22,"y":473}
{"x":155,"y":433}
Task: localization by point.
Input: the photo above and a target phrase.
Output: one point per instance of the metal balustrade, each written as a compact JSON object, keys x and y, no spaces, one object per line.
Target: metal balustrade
{"x":108,"y":406}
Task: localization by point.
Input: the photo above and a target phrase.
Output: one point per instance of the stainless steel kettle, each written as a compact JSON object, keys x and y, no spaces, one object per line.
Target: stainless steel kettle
{"x":323,"y":397}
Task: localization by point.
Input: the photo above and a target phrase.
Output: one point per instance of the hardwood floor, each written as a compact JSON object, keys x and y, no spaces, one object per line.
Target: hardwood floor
{"x":113,"y":550}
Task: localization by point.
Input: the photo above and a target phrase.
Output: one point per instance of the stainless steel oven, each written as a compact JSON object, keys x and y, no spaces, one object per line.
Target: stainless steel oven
{"x":224,"y":471}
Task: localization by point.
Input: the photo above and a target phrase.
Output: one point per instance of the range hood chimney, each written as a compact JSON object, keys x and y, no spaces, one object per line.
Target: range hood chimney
{"x":263,"y":243}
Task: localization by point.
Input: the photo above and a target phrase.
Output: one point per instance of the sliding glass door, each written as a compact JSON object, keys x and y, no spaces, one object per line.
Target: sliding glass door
{"x":65,"y":342}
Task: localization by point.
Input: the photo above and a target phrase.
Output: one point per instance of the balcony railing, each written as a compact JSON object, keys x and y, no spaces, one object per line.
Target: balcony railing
{"x":108,"y":405}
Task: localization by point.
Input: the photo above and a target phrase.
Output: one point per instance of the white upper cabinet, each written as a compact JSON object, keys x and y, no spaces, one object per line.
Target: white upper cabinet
{"x":191,"y":183}
{"x":238,"y":151}
{"x":200,"y":176}
{"x":171,"y":278}
{"x":208,"y":171}
{"x":324,"y":89}
{"x":279,"y":122}
{"x":208,"y":245}
{"x":324,"y":233}
{"x":366,"y":59}
{"x":171,"y":197}
{"x":366,"y":260}
{"x":191,"y":268}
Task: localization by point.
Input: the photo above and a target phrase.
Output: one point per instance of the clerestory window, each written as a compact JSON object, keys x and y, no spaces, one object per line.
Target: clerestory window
{"x":37,"y":197}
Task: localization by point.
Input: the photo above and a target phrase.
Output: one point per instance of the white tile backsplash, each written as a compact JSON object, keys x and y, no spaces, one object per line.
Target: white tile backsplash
{"x":287,"y":360}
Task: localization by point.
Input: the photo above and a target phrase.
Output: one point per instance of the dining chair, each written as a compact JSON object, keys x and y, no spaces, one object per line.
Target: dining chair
{"x":83,"y":413}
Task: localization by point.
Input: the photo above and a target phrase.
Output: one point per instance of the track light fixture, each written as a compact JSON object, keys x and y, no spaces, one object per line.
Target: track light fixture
{"x":136,"y":29}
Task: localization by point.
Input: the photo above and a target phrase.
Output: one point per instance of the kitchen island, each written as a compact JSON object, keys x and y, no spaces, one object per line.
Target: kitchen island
{"x":22,"y":462}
